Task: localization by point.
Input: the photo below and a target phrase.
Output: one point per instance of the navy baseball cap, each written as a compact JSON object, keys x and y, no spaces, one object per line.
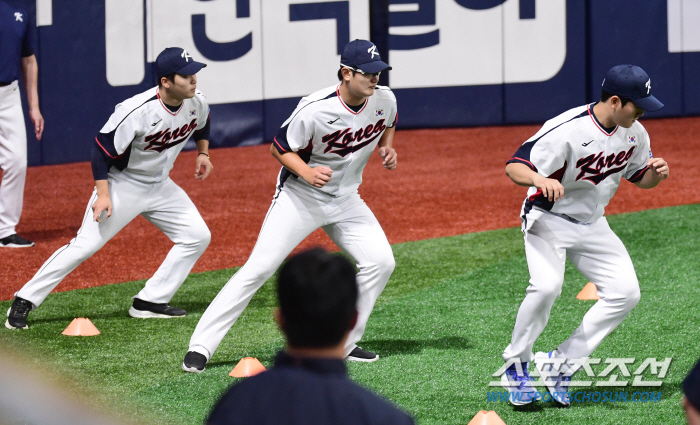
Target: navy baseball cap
{"x":633,"y":83}
{"x":363,"y":54}
{"x":176,"y":59}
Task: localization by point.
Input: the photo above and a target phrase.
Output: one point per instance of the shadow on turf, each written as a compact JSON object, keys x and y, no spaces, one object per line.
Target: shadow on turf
{"x":394,"y":347}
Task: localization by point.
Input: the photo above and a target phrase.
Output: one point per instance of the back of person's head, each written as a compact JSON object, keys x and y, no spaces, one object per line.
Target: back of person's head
{"x":317,"y":294}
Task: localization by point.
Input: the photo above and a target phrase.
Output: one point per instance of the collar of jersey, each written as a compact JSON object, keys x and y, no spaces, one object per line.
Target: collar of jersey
{"x":597,"y":124}
{"x":165,"y":107}
{"x":337,"y":93}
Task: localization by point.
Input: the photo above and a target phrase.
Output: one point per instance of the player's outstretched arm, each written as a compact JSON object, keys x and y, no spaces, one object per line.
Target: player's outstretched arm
{"x":203,"y":164}
{"x":522,"y":175}
{"x":658,"y":170}
{"x":386,"y":151}
{"x":316,"y":176}
{"x":103,"y":202}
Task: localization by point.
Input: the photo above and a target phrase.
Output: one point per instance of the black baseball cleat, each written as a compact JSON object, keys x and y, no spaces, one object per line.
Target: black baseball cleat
{"x":194,"y":362}
{"x":360,"y":355}
{"x":146,"y":310}
{"x":15,"y":241}
{"x":17,"y":314}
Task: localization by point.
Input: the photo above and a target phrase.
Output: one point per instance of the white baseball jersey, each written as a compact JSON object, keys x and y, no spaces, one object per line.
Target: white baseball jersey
{"x":588,"y":159}
{"x":143,"y":136}
{"x":326,"y":132}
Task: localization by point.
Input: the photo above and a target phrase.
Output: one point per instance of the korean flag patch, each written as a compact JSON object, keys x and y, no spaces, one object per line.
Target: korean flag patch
{"x":632,"y":139}
{"x":379,"y":112}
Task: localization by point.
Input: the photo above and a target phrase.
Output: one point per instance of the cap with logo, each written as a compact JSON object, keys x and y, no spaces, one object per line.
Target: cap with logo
{"x":633,"y":83}
{"x":363,"y":54}
{"x":176,"y":60}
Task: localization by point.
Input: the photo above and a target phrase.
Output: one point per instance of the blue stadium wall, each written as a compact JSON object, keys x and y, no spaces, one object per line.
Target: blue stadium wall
{"x":456,"y":62}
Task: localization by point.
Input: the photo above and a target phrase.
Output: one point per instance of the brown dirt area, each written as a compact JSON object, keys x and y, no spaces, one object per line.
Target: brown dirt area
{"x":448,"y":182}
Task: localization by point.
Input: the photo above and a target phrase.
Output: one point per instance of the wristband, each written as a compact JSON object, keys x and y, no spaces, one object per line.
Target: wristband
{"x":203,"y":153}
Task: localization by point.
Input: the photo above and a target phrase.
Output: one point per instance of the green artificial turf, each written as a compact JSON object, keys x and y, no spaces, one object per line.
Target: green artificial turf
{"x":440,"y":327}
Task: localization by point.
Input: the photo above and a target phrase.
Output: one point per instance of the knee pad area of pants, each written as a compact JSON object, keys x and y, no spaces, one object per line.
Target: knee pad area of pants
{"x":384,"y":264}
{"x":199,"y":236}
{"x":14,"y":165}
{"x":548,"y":290}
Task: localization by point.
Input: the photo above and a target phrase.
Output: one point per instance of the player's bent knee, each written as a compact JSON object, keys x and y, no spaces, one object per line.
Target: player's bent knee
{"x":15,"y":166}
{"x":546,"y":290}
{"x":204,"y":237}
{"x":386,"y":264}
{"x":632,"y":297}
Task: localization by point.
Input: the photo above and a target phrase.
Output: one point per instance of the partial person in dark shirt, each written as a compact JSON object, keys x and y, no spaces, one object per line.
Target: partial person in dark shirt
{"x":308,"y":383}
{"x":16,"y":57}
{"x":691,"y":395}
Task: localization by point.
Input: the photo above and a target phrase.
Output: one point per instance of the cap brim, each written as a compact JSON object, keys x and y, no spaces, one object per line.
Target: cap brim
{"x":191,"y":68}
{"x":649,"y":103}
{"x":374,"y":67}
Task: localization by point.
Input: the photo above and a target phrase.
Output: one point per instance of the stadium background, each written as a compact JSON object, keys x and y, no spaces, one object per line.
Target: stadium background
{"x":456,"y":62}
{"x":508,"y":65}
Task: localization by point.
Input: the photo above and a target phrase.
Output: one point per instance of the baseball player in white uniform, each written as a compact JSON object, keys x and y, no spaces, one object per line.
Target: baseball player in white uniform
{"x":132,"y":157}
{"x":573,"y":167}
{"x":323,"y":148}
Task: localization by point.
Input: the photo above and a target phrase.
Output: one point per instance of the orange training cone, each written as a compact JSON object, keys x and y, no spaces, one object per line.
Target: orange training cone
{"x":248,"y":366}
{"x":486,"y":418}
{"x":589,"y":292}
{"x":81,"y":327}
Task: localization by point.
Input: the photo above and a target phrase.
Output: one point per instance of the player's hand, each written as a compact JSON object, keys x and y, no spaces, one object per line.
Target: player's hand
{"x":203,"y":167}
{"x":318,"y":176}
{"x":659,"y":168}
{"x":389,"y":156}
{"x":103,"y":203}
{"x":551,"y":189}
{"x":38,"y":120}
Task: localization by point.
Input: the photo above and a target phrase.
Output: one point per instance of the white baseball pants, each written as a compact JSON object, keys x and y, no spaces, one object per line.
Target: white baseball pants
{"x":599,"y":255}
{"x":297,"y":211}
{"x":13,"y":158}
{"x":165,"y":205}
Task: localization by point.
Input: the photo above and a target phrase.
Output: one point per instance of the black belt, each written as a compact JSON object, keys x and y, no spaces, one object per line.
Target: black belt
{"x":3,"y":84}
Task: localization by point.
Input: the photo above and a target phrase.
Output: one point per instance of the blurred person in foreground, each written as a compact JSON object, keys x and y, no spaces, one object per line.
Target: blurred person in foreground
{"x":691,"y":397}
{"x":308,"y":382}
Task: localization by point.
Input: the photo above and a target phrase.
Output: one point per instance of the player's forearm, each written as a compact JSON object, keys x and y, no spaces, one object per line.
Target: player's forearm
{"x":203,"y":146}
{"x":291,"y":161}
{"x":521,"y":174}
{"x":30,"y":73}
{"x":102,"y":188}
{"x":387,"y":139}
{"x":648,"y":181}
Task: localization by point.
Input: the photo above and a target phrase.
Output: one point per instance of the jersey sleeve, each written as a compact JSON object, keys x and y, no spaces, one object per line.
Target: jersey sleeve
{"x":393,"y":117}
{"x":637,"y":165}
{"x":29,"y":36}
{"x":296,"y":133}
{"x":203,"y":128}
{"x":544,"y":154}
{"x":120,"y":131}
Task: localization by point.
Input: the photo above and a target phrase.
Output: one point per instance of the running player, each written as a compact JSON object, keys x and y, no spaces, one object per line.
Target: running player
{"x":573,"y":166}
{"x":131,"y":160}
{"x":323,"y":148}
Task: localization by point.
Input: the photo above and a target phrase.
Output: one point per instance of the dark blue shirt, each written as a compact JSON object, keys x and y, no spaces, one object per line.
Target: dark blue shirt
{"x":306,"y":391}
{"x":16,"y":40}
